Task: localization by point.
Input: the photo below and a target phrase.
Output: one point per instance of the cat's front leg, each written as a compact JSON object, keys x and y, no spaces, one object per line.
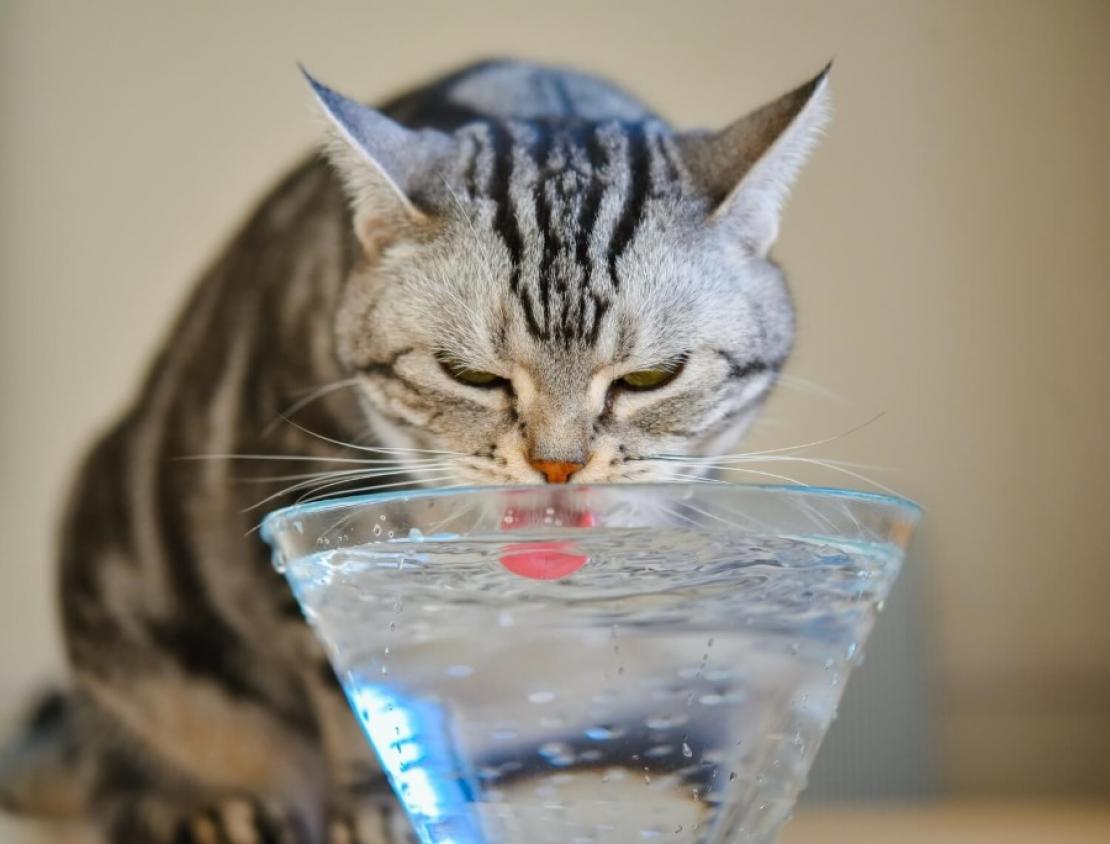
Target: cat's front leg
{"x":360,"y":818}
{"x":228,"y":819}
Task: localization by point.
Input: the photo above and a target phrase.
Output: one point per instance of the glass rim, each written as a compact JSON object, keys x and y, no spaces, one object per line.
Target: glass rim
{"x":910,"y":509}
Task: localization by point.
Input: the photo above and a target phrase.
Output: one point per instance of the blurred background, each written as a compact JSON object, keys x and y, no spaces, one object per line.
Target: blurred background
{"x":948,"y":246}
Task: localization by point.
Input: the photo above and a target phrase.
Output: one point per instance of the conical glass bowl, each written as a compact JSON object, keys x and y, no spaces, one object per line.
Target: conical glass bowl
{"x":613,"y":663}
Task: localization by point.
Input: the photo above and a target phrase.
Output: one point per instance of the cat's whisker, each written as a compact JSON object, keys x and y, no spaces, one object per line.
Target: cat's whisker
{"x":270,"y":479}
{"x":800,"y":446}
{"x":804,"y":385}
{"x":320,"y":486}
{"x":387,"y":486}
{"x":343,"y":444}
{"x":732,"y":464}
{"x":694,"y":479}
{"x":328,"y":481}
{"x":298,"y":457}
{"x":723,"y":463}
{"x":377,"y":464}
{"x":315,"y":395}
{"x":834,"y":467}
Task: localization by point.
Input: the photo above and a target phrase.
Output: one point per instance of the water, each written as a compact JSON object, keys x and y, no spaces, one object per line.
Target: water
{"x":675,"y":687}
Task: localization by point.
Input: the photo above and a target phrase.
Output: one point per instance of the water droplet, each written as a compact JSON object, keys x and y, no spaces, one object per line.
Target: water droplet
{"x":710,"y":700}
{"x":664,"y":722}
{"x":731,"y":776}
{"x":384,"y":670}
{"x":385,"y":651}
{"x":541,"y":697}
{"x":377,"y":531}
{"x":392,"y":626}
{"x":686,"y":751}
{"x":829,"y":663}
{"x":602,"y":733}
{"x":415,"y":535}
{"x":659,"y":750}
{"x":557,"y":753}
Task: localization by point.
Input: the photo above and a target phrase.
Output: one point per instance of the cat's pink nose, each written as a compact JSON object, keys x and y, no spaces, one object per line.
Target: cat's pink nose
{"x":556,"y":472}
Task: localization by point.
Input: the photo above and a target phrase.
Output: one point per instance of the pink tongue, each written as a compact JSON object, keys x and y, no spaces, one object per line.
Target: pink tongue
{"x":545,"y":559}
{"x":542,"y":560}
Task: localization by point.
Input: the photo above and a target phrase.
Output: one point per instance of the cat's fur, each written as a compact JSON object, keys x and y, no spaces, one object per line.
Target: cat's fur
{"x":530,"y":222}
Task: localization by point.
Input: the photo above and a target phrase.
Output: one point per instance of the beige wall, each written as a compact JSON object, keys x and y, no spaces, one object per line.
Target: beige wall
{"x":949,"y":247}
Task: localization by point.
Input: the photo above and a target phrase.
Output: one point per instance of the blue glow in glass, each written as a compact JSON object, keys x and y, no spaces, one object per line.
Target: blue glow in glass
{"x":412,"y":741}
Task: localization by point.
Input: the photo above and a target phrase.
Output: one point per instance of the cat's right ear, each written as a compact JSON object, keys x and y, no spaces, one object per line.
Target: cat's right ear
{"x":379,"y":161}
{"x":748,"y":168}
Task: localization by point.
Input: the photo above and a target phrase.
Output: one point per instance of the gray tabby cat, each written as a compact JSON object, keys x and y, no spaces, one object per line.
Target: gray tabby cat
{"x":520,"y":275}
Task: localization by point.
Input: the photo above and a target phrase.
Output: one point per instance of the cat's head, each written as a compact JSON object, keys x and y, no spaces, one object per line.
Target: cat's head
{"x":573,"y":302}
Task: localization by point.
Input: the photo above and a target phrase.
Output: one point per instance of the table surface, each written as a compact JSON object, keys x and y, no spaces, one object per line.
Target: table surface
{"x":943,"y":823}
{"x":954,"y":823}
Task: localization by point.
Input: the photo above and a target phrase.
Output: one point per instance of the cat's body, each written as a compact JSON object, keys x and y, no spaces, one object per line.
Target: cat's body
{"x":544,"y":235}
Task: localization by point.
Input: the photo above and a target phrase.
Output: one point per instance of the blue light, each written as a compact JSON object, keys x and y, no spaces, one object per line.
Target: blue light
{"x":412,"y":741}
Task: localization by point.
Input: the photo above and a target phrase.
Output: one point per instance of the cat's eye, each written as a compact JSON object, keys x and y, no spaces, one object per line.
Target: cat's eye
{"x":651,"y":379}
{"x":471,"y":377}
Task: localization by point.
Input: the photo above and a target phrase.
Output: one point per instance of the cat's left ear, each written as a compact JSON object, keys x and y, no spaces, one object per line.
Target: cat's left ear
{"x":748,"y":168}
{"x":380,"y":162}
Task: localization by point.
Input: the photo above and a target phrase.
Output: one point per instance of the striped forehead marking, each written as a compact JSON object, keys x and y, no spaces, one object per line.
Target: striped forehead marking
{"x":580,"y":190}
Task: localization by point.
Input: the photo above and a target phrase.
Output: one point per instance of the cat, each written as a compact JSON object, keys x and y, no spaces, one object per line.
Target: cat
{"x":513,"y":274}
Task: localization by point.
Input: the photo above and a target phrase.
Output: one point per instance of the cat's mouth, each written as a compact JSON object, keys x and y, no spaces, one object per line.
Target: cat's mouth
{"x":557,"y":514}
{"x":545,"y":559}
